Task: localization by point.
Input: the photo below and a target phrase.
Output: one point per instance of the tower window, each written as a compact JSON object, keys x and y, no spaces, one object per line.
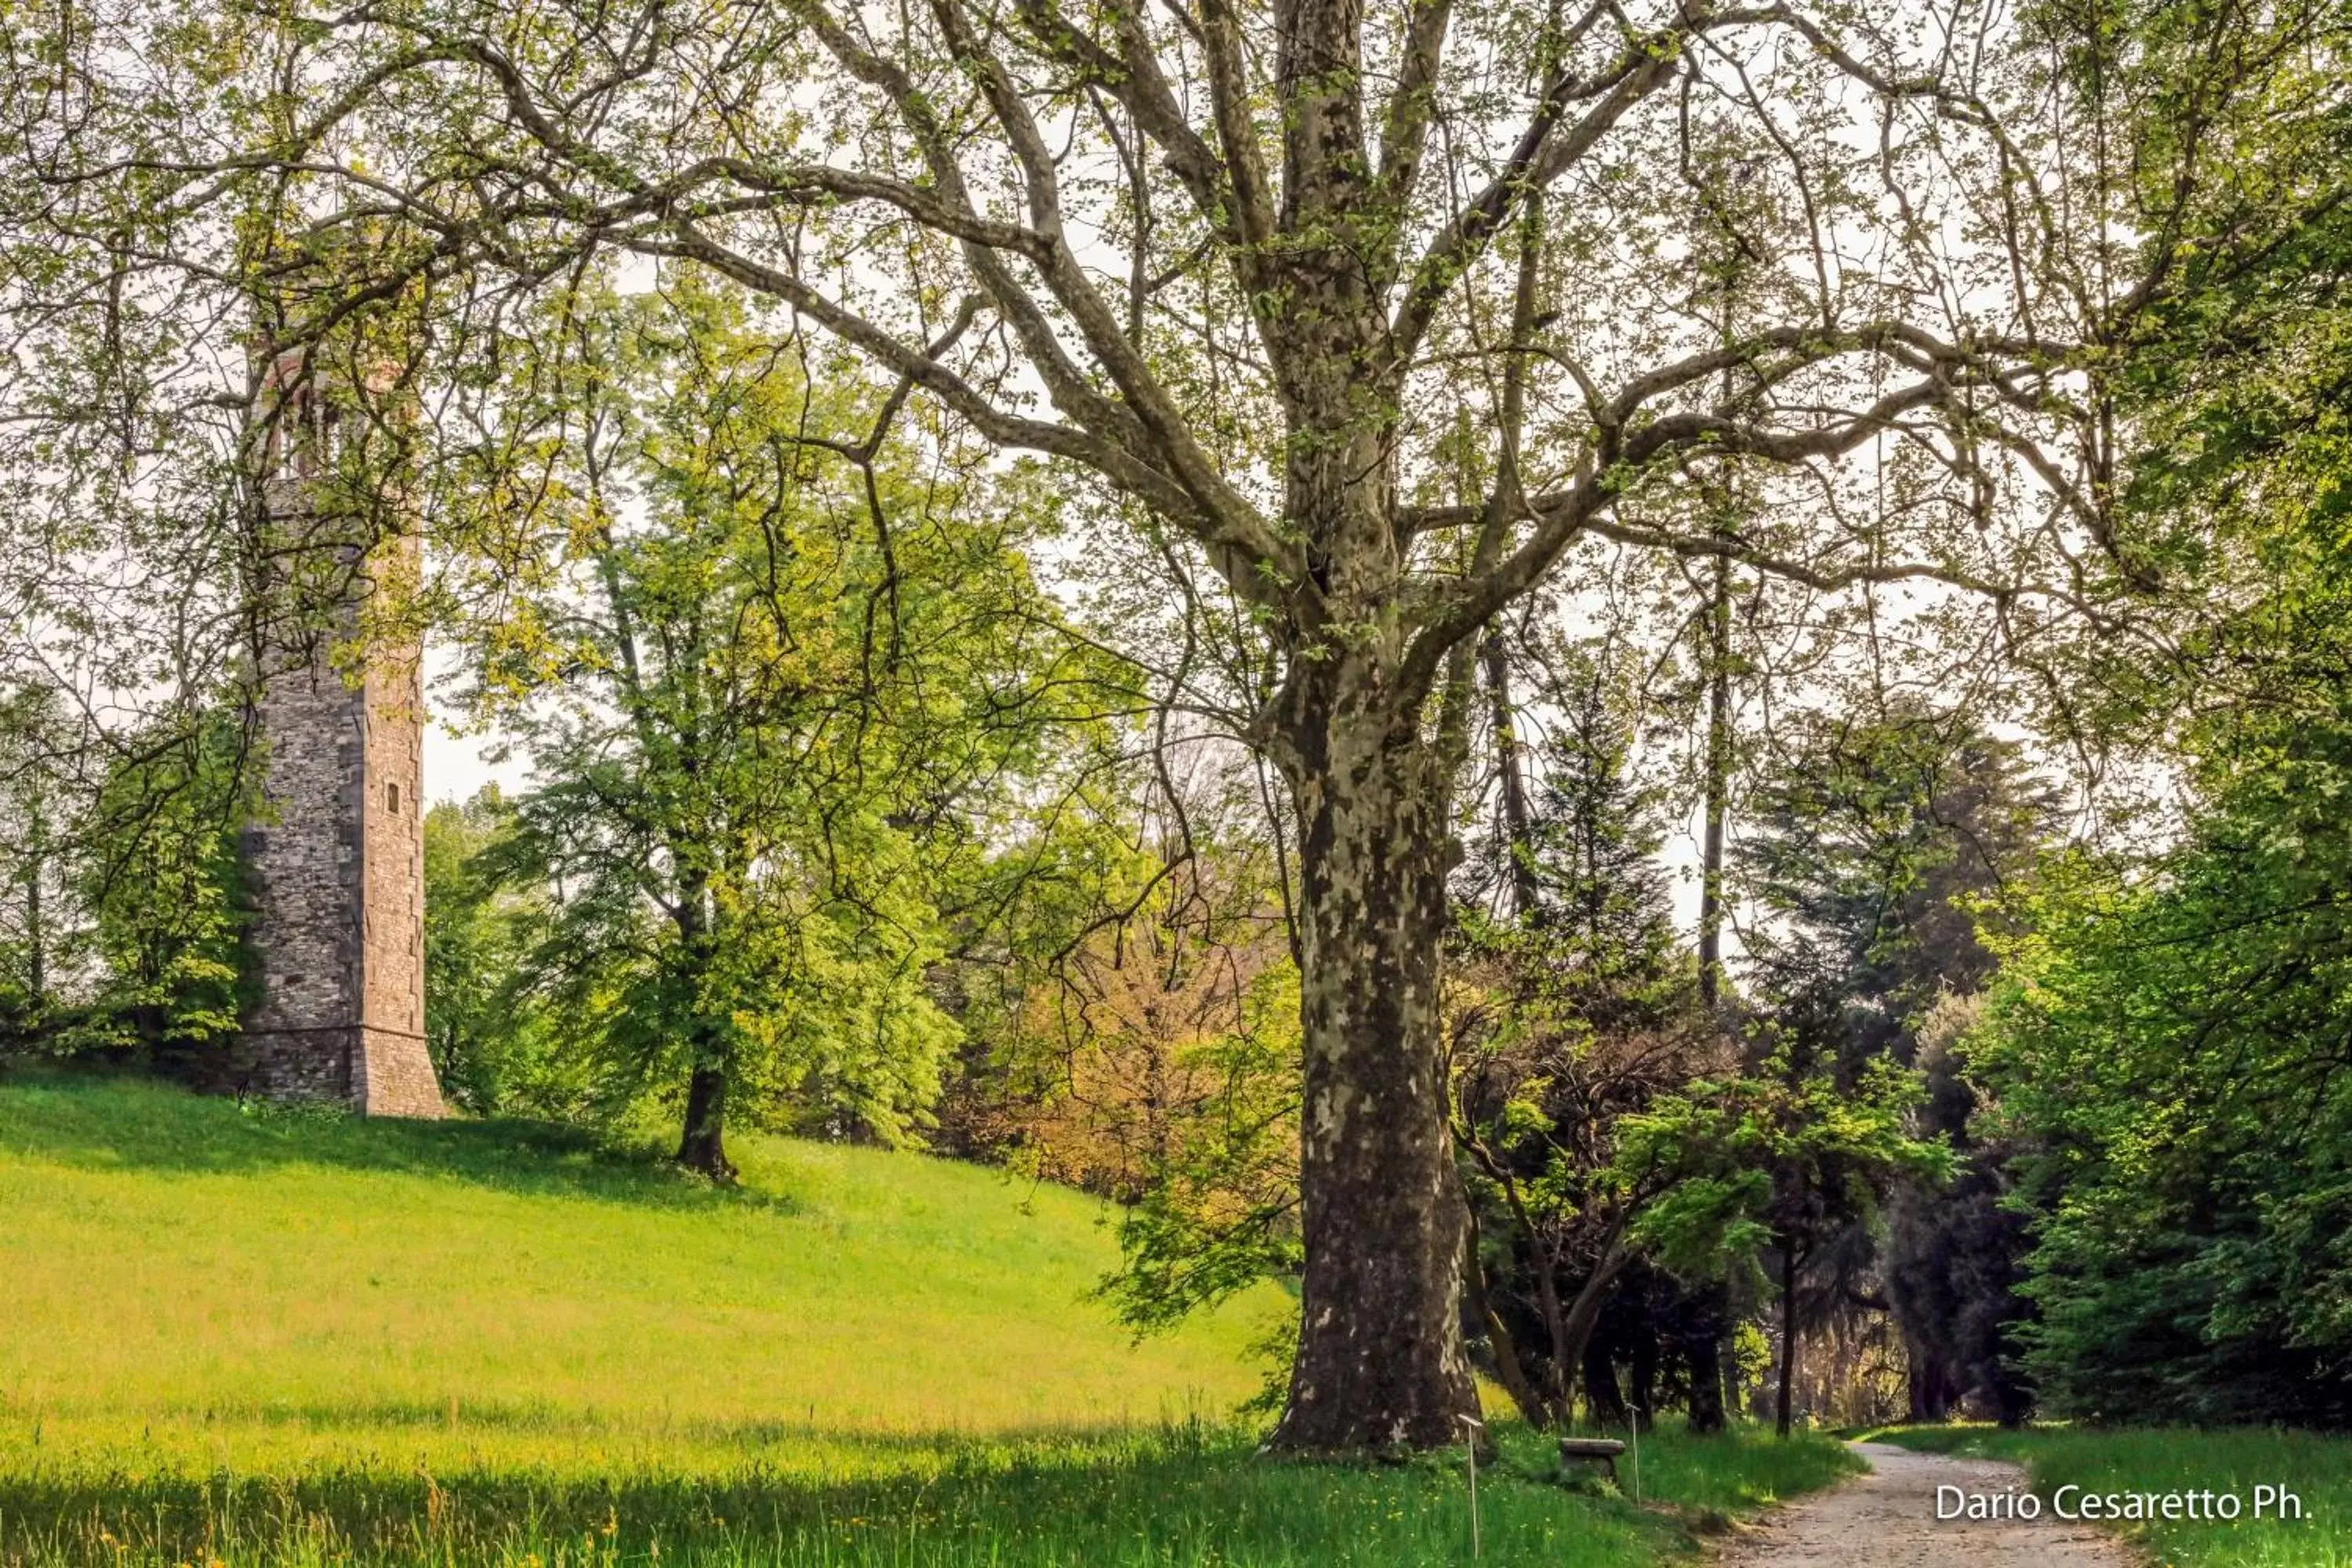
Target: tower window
{"x":392,"y":798}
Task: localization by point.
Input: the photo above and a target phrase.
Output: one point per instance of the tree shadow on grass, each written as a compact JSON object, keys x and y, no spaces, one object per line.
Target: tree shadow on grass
{"x":111,"y":1121}
{"x":1173,"y":1496}
{"x":378,"y":1429}
{"x":580,"y":1429}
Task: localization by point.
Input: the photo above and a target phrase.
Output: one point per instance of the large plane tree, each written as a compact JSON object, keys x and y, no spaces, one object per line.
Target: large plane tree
{"x":1375,"y":319}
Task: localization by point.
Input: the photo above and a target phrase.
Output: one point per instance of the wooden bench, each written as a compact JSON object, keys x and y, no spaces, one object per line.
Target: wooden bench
{"x":1601,"y":1451}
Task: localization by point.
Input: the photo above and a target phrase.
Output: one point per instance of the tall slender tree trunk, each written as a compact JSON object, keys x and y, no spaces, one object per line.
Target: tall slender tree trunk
{"x":37,"y":936}
{"x":1380,"y":1360}
{"x":1718,"y":787}
{"x":1788,"y":1334}
{"x":1518,"y":830}
{"x":1510,"y":1371}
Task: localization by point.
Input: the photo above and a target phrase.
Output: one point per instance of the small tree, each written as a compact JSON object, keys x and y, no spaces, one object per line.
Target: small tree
{"x":1878,"y":843}
{"x":40,"y":931}
{"x":157,"y":868}
{"x":1575,"y":1006}
{"x":493,"y":1047}
{"x":776,"y":689}
{"x":1777,"y":1160}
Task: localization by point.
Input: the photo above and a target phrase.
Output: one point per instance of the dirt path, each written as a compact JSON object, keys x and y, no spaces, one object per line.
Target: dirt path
{"x":1887,"y":1520}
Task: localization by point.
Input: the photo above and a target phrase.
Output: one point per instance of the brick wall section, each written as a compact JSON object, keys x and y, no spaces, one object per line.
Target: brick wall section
{"x":335,"y":869}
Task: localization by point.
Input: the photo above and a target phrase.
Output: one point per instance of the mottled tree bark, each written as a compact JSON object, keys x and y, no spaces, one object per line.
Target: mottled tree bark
{"x":1380,"y":1360}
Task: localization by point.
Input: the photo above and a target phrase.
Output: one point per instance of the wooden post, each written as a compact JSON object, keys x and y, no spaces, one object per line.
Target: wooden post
{"x":1477,"y":1427}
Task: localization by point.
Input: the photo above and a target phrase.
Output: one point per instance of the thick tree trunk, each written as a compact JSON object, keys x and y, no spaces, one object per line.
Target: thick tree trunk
{"x":1380,"y":1358}
{"x":1604,"y":1405}
{"x":702,"y":1140}
{"x":1703,"y":1349}
{"x":703,"y":1144}
{"x":1509,"y":1369}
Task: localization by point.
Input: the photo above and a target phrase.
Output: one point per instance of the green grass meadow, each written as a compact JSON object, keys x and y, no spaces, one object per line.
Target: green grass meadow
{"x":2159,"y":1459}
{"x":246,"y":1335}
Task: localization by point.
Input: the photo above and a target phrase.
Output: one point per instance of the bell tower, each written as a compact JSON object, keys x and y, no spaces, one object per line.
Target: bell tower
{"x":334,"y":863}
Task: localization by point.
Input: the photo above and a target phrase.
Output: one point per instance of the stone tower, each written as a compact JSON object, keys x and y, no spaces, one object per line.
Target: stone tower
{"x":335,"y":863}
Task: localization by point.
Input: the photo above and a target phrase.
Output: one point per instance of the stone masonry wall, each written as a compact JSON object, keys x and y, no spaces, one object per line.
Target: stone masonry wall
{"x":335,"y":867}
{"x":398,"y":1079}
{"x":336,"y":873}
{"x":302,"y":870}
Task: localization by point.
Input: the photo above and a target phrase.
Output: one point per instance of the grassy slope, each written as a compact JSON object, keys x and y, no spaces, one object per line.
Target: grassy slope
{"x":2317,"y":1469}
{"x":172,"y":1262}
{"x":261,"y":1336}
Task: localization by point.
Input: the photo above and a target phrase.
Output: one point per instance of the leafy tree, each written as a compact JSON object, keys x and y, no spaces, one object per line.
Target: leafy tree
{"x":1876,"y":844}
{"x":158,"y":872}
{"x":1953,"y":1259}
{"x":1215,"y":1206}
{"x":38,"y":927}
{"x":1144,"y":1044}
{"x":1576,"y":1009}
{"x":1874,"y":840}
{"x":2163,"y":1032}
{"x":775,"y":692}
{"x":121,"y":900}
{"x":2168,"y":1037}
{"x":1783,"y":1158}
{"x":1580,"y":860}
{"x":492,"y":1049}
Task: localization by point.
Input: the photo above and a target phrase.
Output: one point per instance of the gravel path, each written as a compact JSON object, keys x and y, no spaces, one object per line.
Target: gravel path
{"x":1887,"y":1520}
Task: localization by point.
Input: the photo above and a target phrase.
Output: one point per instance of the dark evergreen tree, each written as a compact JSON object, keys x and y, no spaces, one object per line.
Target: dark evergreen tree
{"x":2172,"y":1038}
{"x":1587,"y":1012}
{"x":1875,"y":843}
